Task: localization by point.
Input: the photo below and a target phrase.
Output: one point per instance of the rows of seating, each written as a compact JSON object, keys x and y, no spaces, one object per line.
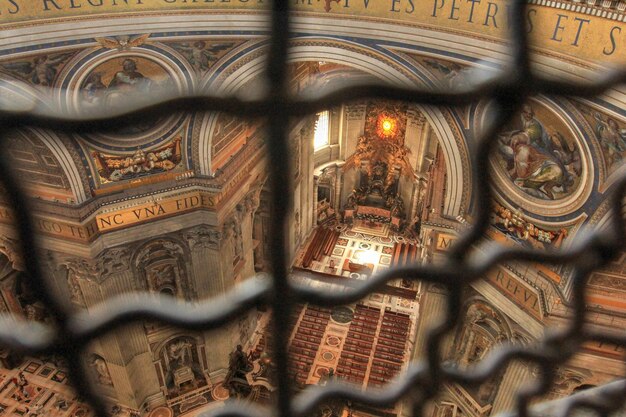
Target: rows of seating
{"x":306,"y":341}
{"x":322,"y":244}
{"x":359,"y":344}
{"x":370,"y":335}
{"x":403,"y":254}
{"x":390,"y":348}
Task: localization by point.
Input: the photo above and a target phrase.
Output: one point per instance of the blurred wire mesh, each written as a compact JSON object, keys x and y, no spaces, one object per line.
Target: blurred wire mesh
{"x":423,"y":381}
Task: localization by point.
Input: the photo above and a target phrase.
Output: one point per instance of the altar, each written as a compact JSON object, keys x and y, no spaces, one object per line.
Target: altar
{"x":373,"y":214}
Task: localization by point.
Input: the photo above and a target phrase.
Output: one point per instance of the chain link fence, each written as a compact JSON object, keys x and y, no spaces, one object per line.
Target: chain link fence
{"x":423,"y":381}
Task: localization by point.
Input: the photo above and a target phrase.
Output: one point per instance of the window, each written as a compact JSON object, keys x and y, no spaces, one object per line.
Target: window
{"x":321,"y":131}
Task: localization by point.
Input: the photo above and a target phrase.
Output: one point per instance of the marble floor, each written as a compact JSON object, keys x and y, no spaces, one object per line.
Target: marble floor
{"x":365,"y":244}
{"x":366,"y":343}
{"x":47,"y":392}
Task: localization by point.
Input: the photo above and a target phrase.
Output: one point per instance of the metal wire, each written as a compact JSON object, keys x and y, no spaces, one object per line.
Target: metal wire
{"x":423,"y":381}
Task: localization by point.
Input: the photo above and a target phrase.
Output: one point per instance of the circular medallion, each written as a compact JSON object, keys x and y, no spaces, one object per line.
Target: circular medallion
{"x":161,"y":412}
{"x":219,"y":393}
{"x":328,"y":356}
{"x":541,"y":161}
{"x":333,"y":341}
{"x":111,"y":81}
{"x":342,"y":314}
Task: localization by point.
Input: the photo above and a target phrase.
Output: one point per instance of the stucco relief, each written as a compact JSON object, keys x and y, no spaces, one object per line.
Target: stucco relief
{"x":203,"y":54}
{"x":39,"y":70}
{"x":76,"y":270}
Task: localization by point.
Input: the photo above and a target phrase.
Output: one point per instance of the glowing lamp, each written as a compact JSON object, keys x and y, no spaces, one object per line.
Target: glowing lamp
{"x":387,"y":126}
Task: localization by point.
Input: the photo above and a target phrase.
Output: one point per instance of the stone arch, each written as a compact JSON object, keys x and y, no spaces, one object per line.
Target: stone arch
{"x":483,"y":327}
{"x":71,"y":169}
{"x":49,"y":164}
{"x":379,"y":66}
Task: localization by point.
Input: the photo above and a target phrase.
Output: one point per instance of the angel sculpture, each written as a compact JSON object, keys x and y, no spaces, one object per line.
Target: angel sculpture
{"x":123,"y":43}
{"x":453,"y":74}
{"x":41,"y":70}
{"x":201,"y":55}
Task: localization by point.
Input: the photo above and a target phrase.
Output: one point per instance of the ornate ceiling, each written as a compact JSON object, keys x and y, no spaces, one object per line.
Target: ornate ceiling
{"x":92,"y":72}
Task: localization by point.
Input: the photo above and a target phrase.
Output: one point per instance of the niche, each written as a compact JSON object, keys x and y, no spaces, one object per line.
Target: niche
{"x":162,"y":264}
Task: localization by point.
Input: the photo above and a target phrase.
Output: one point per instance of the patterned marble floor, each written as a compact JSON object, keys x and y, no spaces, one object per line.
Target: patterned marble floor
{"x":375,"y":250}
{"x":47,"y":392}
{"x":372,"y":247}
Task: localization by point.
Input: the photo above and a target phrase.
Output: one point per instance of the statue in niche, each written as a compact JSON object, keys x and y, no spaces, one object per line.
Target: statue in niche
{"x":162,"y":276}
{"x":178,"y":353}
{"x":102,"y":371}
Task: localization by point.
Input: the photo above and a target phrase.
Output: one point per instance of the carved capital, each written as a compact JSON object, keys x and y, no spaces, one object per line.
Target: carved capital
{"x":79,"y":269}
{"x":9,"y":248}
{"x":252,"y":200}
{"x":111,"y":261}
{"x":356,"y":111}
{"x":328,"y":176}
{"x":415,"y":117}
{"x":82,"y":268}
{"x":203,"y":237}
{"x":308,"y":128}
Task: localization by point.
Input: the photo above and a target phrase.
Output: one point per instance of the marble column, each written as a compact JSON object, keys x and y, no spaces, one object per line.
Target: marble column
{"x":432,"y":307}
{"x":338,"y":187}
{"x":515,"y":376}
{"x":206,"y":261}
{"x":314,"y":198}
{"x":125,"y":351}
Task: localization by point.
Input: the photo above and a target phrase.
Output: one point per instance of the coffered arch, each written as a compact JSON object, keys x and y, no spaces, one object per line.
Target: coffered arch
{"x":382,"y":68}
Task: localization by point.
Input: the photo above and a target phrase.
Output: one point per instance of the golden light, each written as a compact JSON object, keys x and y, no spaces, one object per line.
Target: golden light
{"x":386,"y":126}
{"x":367,"y":257}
